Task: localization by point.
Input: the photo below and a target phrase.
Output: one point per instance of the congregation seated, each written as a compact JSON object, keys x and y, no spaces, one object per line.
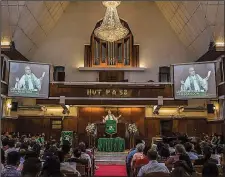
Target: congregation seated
{"x":51,"y":167}
{"x":179,"y":172}
{"x":2,"y":159}
{"x":144,"y":160}
{"x":67,"y":166}
{"x":84,"y":155}
{"x":207,"y":152}
{"x":153,"y":165}
{"x":31,"y":167}
{"x":25,"y":151}
{"x":210,"y":170}
{"x":130,"y":156}
{"x":11,"y":165}
{"x":171,"y":148}
{"x":179,"y":150}
{"x":138,"y":155}
{"x":190,"y":151}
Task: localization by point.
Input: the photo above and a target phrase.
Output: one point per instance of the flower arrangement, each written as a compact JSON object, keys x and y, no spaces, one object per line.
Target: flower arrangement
{"x":90,"y":129}
{"x":132,"y":129}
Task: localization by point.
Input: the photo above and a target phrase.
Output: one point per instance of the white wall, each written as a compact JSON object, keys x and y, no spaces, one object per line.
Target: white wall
{"x":159,"y":46}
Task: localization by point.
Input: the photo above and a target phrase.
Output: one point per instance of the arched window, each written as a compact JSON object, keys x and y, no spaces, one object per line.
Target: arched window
{"x":122,"y":53}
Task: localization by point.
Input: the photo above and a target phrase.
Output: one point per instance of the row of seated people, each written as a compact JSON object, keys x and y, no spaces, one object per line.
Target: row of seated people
{"x":162,"y":158}
{"x":29,"y":159}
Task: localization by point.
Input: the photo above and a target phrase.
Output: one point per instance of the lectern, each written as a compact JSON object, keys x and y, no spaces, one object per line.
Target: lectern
{"x":121,"y":130}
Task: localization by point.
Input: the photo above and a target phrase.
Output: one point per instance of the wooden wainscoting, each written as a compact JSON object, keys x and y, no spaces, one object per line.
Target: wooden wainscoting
{"x":191,"y":126}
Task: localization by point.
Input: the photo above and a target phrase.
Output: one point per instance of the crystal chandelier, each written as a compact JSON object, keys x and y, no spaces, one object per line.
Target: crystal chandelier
{"x":111,"y":29}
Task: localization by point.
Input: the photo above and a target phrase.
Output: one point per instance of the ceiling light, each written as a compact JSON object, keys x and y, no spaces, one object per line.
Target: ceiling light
{"x":5,"y":44}
{"x":111,"y":29}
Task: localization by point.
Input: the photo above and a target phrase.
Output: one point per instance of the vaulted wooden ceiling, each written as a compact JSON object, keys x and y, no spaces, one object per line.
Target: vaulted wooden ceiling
{"x":196,"y":23}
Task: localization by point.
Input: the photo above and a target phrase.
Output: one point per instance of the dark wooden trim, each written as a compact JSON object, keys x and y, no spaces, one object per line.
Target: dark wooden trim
{"x":135,"y":91}
{"x":14,"y":54}
{"x":112,"y":102}
{"x":221,"y":90}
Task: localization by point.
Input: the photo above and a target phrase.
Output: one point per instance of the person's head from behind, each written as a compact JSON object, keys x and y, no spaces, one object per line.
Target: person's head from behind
{"x":18,"y":145}
{"x":82,"y":146}
{"x":179,"y":172}
{"x":60,"y":155}
{"x":30,"y":154}
{"x":207,"y":152}
{"x":138,"y":141}
{"x":36,"y":148}
{"x":11,"y":143}
{"x":140,"y":147}
{"x":164,"y":152}
{"x":145,"y":151}
{"x":77,"y":153}
{"x":66,"y":148}
{"x":5,"y":142}
{"x":31,"y":167}
{"x":13,"y":158}
{"x":171,"y":144}
{"x":51,"y":166}
{"x":188,"y":147}
{"x":154,"y":147}
{"x":179,"y":149}
{"x":24,"y":146}
{"x":152,"y":155}
{"x":210,"y":170}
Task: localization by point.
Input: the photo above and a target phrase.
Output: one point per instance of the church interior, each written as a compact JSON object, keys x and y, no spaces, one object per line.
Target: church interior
{"x":112,"y":88}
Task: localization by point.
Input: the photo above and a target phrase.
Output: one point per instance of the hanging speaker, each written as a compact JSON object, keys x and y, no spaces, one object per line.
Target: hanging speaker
{"x":59,"y":73}
{"x":210,"y":108}
{"x":61,"y":76}
{"x":14,"y":106}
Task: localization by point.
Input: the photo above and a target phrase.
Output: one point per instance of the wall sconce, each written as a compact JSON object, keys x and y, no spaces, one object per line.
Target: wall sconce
{"x":5,"y":44}
{"x":220,"y":46}
{"x":156,"y":109}
{"x":9,"y":105}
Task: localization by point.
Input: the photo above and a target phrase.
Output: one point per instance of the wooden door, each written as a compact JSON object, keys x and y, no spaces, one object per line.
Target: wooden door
{"x":56,"y":128}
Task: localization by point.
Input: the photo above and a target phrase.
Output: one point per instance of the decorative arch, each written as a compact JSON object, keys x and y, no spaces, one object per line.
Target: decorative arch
{"x":122,"y":53}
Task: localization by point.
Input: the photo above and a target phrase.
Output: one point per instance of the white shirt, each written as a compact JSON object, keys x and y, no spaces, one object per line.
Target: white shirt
{"x":152,"y":166}
{"x":87,"y":157}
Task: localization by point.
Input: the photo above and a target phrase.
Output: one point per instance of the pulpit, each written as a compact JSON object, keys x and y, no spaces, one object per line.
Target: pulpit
{"x":121,"y":130}
{"x":111,"y":143}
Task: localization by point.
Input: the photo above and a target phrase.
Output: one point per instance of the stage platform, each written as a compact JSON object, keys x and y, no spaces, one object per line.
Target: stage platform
{"x":110,"y":158}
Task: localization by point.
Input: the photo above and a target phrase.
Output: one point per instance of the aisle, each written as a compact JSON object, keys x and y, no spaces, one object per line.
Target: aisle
{"x":111,"y":170}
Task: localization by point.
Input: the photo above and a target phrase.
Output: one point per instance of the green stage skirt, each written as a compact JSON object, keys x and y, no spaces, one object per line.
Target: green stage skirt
{"x":111,"y":144}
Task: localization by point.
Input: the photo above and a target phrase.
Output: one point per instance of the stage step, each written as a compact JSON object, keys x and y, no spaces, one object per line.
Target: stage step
{"x":110,"y":158}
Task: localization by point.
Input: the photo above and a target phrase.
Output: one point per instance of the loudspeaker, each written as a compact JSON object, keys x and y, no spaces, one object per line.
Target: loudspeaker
{"x":166,"y":127}
{"x":59,"y":73}
{"x":164,"y":74}
{"x":61,"y":76}
{"x":14,"y":106}
{"x":210,"y":108}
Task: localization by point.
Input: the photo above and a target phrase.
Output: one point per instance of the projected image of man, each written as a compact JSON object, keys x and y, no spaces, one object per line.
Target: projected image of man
{"x":29,"y":81}
{"x":194,"y":82}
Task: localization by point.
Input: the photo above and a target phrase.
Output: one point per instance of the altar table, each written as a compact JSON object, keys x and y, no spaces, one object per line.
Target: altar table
{"x":111,"y":144}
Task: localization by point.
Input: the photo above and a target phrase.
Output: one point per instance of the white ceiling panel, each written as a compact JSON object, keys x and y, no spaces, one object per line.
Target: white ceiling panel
{"x":28,"y":23}
{"x":196,"y":17}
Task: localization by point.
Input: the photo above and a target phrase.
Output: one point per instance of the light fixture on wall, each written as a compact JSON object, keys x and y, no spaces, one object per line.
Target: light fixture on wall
{"x":111,"y":29}
{"x":220,"y":46}
{"x":9,"y":105}
{"x":5,"y":44}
